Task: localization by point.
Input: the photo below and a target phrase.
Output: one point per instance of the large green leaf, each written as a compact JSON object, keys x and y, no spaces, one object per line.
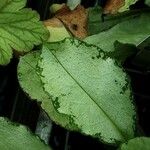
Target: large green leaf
{"x":133,"y":31}
{"x":20,"y":29}
{"x":139,"y":143}
{"x":29,"y":79}
{"x":90,"y":88}
{"x":17,"y":137}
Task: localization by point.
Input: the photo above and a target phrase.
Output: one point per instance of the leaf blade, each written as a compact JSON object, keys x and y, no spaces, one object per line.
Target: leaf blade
{"x":139,"y":143}
{"x":73,"y":3}
{"x":124,"y":32}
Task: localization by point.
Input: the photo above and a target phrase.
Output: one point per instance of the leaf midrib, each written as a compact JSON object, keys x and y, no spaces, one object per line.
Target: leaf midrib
{"x":114,"y":124}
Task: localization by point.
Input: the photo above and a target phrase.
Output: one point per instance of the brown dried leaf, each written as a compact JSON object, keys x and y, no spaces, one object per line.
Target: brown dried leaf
{"x":53,"y":22}
{"x":56,"y":29}
{"x":112,"y":6}
{"x":75,"y":21}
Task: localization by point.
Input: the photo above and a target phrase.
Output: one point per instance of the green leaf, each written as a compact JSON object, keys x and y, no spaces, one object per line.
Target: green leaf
{"x":147,"y":2}
{"x":11,"y":5}
{"x":127,"y":4}
{"x":17,"y":137}
{"x":73,"y":3}
{"x":98,"y":23}
{"x":90,"y":88}
{"x":122,"y":52}
{"x":142,"y":58}
{"x":133,"y":31}
{"x":139,"y":143}
{"x":30,"y":81}
{"x":94,"y":20}
{"x":20,"y":29}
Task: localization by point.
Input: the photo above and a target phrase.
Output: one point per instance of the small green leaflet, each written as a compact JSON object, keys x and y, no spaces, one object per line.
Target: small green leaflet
{"x":139,"y":143}
{"x":17,"y":137}
{"x":133,"y":31}
{"x":90,"y":88}
{"x":20,"y":29}
{"x":127,"y":4}
{"x":73,"y":3}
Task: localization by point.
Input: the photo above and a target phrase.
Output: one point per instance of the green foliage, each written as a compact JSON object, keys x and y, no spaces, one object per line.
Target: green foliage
{"x":139,"y":143}
{"x":20,"y":29}
{"x":127,"y":4}
{"x":133,"y":31}
{"x":17,"y":137}
{"x":81,"y":85}
{"x":29,"y":78}
{"x":73,"y":3}
{"x":147,"y":2}
{"x":122,"y":52}
{"x":74,"y":87}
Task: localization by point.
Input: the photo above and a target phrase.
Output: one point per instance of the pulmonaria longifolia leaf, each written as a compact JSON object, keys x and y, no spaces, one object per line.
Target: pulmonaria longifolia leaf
{"x":139,"y":143}
{"x":20,"y":29}
{"x":90,"y":88}
{"x":132,"y":31}
{"x":147,"y":2}
{"x":18,"y":137}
